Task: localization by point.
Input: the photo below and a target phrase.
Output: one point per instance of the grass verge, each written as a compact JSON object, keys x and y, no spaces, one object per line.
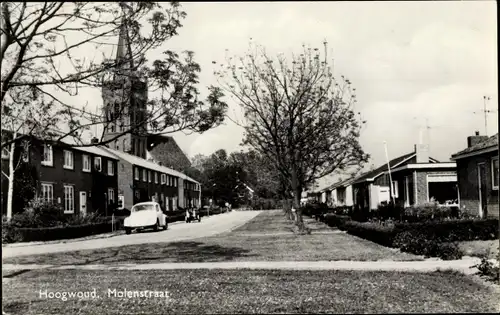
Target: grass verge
{"x":247,"y":291}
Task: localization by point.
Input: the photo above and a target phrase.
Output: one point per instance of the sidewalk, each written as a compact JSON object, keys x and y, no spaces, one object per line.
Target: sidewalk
{"x":463,"y":265}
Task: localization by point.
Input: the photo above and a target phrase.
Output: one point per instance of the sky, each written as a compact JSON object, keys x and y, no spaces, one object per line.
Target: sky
{"x":412,"y":64}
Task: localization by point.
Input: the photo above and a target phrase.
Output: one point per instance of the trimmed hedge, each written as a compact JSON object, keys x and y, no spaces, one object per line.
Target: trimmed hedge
{"x":431,"y":238}
{"x":454,"y":230}
{"x":18,"y":234}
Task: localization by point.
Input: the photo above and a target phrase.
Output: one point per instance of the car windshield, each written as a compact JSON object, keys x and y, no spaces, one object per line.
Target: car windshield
{"x":142,"y":207}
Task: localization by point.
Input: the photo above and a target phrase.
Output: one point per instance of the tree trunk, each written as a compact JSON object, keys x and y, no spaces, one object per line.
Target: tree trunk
{"x":297,"y":193}
{"x":10,"y":192}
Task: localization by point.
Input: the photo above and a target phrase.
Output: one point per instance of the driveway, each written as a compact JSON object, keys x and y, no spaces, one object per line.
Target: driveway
{"x":177,"y":232}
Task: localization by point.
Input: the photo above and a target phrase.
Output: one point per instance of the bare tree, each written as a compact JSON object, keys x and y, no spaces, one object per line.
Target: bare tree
{"x":295,"y":113}
{"x":54,"y":50}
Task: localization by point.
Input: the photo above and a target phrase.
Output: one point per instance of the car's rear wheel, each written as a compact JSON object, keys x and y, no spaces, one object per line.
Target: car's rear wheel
{"x":128,"y":230}
{"x":166,"y":225}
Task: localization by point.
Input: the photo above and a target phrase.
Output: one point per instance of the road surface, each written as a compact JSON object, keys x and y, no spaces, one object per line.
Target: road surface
{"x":178,"y":232}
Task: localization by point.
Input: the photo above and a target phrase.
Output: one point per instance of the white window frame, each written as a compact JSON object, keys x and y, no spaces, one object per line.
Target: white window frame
{"x":395,"y":189}
{"x":111,"y":169}
{"x":156,"y":177}
{"x":175,"y":181}
{"x":49,"y":188}
{"x":150,"y":176}
{"x":493,"y":173}
{"x":69,"y":199}
{"x":86,"y":162}
{"x":98,"y":158}
{"x":163,"y":178}
{"x":68,"y":159}
{"x":144,"y":175}
{"x":137,"y":173}
{"x":47,"y":148}
{"x":111,"y":196}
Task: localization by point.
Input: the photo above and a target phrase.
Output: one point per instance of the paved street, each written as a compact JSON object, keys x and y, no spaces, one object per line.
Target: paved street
{"x":177,"y":232}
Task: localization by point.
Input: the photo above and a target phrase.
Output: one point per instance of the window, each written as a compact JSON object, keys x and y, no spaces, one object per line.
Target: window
{"x":494,"y":172}
{"x":144,"y":176}
{"x":86,"y":163}
{"x":156,"y":178}
{"x":163,"y":179}
{"x":47,"y":192}
{"x":117,"y":146}
{"x":150,"y":178}
{"x":68,"y":159}
{"x":47,"y":155}
{"x":395,"y":188}
{"x":111,"y":196}
{"x":97,"y":164}
{"x":111,"y":170}
{"x":175,"y":182}
{"x":69,"y":199}
{"x":136,"y":173}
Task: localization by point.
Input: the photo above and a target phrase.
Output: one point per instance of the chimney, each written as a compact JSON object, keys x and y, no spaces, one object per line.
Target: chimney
{"x":422,"y":151}
{"x":473,"y":140}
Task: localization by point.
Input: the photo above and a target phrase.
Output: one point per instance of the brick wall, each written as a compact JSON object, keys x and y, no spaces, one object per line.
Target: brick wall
{"x":469,"y":186}
{"x":164,"y":149}
{"x":58,"y":176}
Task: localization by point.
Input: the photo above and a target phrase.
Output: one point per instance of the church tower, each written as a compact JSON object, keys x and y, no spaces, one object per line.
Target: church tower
{"x":125,"y":94}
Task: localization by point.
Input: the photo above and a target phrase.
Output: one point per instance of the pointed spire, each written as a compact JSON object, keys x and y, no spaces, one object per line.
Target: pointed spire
{"x":124,"y":50}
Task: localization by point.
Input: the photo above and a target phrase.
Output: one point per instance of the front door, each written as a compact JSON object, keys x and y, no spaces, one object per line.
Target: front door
{"x":483,"y":191}
{"x":83,"y":202}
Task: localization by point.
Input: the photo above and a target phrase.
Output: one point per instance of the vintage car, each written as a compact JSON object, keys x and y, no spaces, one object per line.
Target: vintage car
{"x":192,"y":215}
{"x":146,"y":215}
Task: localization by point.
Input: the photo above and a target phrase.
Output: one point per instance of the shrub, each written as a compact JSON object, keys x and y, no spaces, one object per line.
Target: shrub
{"x":416,"y":243}
{"x":39,"y":213}
{"x":335,"y":220}
{"x":16,"y":234}
{"x":454,"y":230}
{"x":378,"y":233}
{"x":488,"y":270}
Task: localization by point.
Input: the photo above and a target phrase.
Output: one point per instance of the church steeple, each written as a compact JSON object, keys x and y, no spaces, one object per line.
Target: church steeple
{"x":124,"y":48}
{"x":124,"y":100}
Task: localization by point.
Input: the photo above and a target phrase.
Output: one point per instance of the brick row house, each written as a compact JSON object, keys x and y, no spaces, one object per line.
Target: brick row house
{"x":478,"y":177}
{"x":81,"y":179}
{"x":142,"y":180}
{"x":408,"y":180}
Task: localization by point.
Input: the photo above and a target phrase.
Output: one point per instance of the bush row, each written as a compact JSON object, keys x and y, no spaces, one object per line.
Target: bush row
{"x":11,"y":234}
{"x":431,"y":239}
{"x":20,"y":229}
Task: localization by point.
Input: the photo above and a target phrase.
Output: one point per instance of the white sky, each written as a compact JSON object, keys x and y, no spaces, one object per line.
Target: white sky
{"x":409,"y":61}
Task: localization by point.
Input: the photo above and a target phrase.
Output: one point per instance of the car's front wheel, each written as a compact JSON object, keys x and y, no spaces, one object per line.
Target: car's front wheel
{"x":155,"y":228}
{"x":128,"y":230}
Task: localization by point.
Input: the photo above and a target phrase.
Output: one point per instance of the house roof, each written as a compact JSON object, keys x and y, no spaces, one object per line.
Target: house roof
{"x":97,"y":151}
{"x":246,"y":186}
{"x":132,"y":159}
{"x":380,"y":170}
{"x":491,"y":142}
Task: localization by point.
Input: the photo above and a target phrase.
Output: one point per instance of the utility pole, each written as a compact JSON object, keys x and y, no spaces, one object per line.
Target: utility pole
{"x":390,"y":175}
